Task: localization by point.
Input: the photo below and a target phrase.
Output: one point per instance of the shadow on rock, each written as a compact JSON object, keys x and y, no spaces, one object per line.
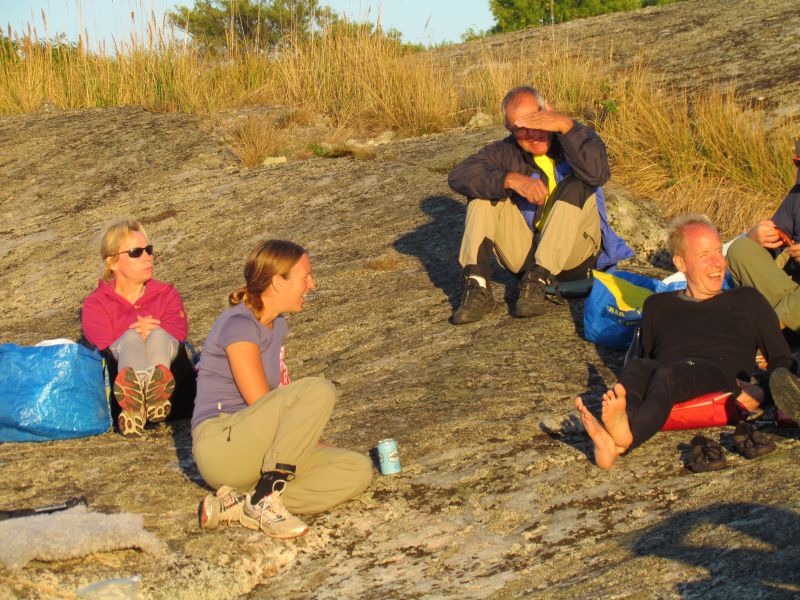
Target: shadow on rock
{"x":611,"y":357}
{"x":750,"y":550}
{"x":572,"y":433}
{"x":437,"y":243}
{"x":182,"y":437}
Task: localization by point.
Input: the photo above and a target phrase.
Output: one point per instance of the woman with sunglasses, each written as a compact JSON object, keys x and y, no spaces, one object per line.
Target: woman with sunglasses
{"x":255,"y":435}
{"x":140,"y":320}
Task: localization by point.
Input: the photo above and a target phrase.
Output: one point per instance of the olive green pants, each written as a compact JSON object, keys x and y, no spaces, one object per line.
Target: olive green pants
{"x":282,"y":426}
{"x":753,"y":266}
{"x":570,"y":236}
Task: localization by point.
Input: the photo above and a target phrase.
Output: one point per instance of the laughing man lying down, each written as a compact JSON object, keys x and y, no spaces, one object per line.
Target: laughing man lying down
{"x":695,"y":341}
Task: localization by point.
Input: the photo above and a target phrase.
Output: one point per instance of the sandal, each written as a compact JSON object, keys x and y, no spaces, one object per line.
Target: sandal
{"x":705,"y":455}
{"x":750,"y":442}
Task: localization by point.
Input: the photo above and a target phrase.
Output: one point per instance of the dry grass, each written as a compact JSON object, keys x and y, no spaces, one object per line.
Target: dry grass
{"x":570,"y":83}
{"x":704,"y":153}
{"x":255,"y":139}
{"x":363,"y":80}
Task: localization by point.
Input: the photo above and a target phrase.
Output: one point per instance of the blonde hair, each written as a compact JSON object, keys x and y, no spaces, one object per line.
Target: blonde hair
{"x":113,"y":238}
{"x":676,"y":243}
{"x":268,"y":259}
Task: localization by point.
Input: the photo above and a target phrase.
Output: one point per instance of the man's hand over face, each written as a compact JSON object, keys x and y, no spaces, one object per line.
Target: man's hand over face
{"x":546,"y":120}
{"x":533,"y":190}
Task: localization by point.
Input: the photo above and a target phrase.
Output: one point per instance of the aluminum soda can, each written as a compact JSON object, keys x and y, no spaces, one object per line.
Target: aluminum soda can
{"x":389,"y":456}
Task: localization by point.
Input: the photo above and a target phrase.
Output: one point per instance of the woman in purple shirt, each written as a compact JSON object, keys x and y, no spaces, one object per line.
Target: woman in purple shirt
{"x":255,"y":435}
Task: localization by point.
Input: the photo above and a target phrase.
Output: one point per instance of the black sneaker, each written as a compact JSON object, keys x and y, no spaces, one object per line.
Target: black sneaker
{"x":476,"y":301}
{"x":785,"y":389}
{"x":531,"y":301}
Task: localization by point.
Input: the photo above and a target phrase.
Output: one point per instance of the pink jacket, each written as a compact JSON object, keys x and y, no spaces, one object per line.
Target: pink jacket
{"x":105,"y":315}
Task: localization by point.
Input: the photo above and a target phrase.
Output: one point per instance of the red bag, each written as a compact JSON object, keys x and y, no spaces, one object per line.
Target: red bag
{"x":709,"y":410}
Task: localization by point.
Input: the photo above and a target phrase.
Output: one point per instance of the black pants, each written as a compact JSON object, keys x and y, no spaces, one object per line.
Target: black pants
{"x":653,"y":388}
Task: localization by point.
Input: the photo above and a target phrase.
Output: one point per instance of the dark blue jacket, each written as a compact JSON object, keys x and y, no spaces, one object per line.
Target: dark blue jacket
{"x":580,"y":151}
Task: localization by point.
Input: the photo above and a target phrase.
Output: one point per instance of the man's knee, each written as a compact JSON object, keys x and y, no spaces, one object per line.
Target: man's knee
{"x":572,"y":190}
{"x":481,"y":206}
{"x":742,"y":250}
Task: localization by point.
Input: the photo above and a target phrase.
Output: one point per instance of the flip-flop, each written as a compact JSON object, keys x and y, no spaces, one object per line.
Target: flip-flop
{"x":750,"y":442}
{"x":705,"y":455}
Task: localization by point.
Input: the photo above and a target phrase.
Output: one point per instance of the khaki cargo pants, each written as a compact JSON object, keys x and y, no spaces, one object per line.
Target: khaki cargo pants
{"x":753,"y":266}
{"x":282,"y":426}
{"x":569,"y":237}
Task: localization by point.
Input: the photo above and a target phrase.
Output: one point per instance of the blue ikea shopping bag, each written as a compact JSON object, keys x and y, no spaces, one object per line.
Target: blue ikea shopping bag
{"x":613,"y":309}
{"x":51,"y":393}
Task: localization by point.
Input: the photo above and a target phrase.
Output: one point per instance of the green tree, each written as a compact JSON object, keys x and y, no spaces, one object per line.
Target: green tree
{"x":221,"y":24}
{"x":511,"y":15}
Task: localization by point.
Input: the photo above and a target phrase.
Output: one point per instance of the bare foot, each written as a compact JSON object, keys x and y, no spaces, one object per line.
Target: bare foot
{"x":615,"y":419}
{"x":605,"y":451}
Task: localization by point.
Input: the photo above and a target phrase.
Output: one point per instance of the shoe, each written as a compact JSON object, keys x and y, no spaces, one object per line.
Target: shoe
{"x":785,"y":389}
{"x":705,"y":455}
{"x":476,"y":302}
{"x":531,"y":301}
{"x":270,"y":516}
{"x":750,"y":442}
{"x":159,"y":391}
{"x":130,"y":397}
{"x":223,"y":507}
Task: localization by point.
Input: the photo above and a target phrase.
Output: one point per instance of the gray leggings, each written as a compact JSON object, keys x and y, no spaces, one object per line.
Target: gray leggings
{"x":130,"y":350}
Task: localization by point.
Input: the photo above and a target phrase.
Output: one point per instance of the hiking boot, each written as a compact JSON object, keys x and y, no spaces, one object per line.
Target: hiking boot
{"x":159,"y":391}
{"x":785,"y":389}
{"x":223,"y":507}
{"x":531,"y":301}
{"x":270,"y":516}
{"x":130,"y":397}
{"x":476,"y":301}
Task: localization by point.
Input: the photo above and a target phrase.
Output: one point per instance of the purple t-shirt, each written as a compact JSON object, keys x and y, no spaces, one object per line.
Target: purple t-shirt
{"x":216,"y":390}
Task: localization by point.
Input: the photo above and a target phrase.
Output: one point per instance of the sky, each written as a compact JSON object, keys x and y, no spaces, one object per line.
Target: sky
{"x":420,"y":21}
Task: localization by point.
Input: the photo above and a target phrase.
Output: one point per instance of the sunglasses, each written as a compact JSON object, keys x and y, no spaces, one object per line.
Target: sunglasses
{"x":135,"y":252}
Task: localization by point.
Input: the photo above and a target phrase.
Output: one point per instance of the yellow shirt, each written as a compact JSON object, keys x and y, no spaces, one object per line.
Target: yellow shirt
{"x":548,"y":165}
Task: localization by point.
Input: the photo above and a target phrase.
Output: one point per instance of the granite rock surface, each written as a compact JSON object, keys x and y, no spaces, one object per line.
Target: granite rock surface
{"x":497,"y":497}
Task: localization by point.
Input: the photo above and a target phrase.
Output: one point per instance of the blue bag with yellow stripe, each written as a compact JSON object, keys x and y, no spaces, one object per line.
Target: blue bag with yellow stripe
{"x":613,"y":309}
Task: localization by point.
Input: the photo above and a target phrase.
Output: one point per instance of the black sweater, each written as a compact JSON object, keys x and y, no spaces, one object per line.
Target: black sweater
{"x":726,"y":329}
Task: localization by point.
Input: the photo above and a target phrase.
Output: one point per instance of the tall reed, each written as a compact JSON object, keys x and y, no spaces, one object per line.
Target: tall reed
{"x":705,"y":152}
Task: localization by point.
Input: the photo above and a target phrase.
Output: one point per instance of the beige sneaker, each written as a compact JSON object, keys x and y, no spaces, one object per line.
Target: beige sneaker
{"x":223,"y":507}
{"x":271,"y":516}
